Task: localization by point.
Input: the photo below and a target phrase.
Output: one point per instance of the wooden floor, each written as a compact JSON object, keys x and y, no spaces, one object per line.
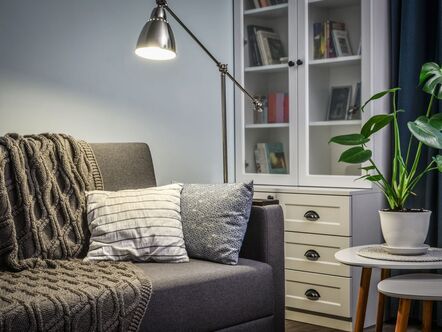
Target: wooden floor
{"x":291,"y":326}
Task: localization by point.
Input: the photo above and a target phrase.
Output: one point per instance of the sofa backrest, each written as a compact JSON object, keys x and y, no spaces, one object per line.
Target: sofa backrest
{"x":125,"y":165}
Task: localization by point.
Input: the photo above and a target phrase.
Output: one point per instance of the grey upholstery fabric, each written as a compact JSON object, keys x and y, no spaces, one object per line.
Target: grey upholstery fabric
{"x":125,"y":165}
{"x":206,"y":296}
{"x":259,"y":325}
{"x":264,"y":242}
{"x":214,"y":218}
{"x":264,"y":239}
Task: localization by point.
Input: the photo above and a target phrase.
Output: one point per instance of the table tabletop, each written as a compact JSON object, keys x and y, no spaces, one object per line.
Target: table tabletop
{"x":349,"y":256}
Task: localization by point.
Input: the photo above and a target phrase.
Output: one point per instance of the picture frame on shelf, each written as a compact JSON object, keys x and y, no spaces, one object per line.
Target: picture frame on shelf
{"x":342,"y":43}
{"x":354,"y":112}
{"x":270,"y":47}
{"x":339,"y":104}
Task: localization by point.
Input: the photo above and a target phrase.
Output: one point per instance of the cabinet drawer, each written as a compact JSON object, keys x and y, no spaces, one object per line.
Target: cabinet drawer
{"x":315,"y":253}
{"x":333,"y":213}
{"x":333,"y":293}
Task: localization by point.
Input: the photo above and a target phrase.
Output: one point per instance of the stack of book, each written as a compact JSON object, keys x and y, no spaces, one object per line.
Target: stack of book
{"x":270,"y":158}
{"x":264,"y":3}
{"x":330,"y":40}
{"x":275,"y":109}
{"x":265,"y":46}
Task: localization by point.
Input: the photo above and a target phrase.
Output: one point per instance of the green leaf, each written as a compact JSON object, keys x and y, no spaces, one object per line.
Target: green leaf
{"x":431,"y":79}
{"x":374,"y":178}
{"x":376,"y":123}
{"x":425,"y":132}
{"x":355,"y":155}
{"x":438,"y":160}
{"x":351,"y":139}
{"x":367,"y":168}
{"x":436,"y":121}
{"x":379,"y":95}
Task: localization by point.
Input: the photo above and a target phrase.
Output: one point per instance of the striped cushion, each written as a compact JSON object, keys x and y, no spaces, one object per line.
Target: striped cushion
{"x":139,"y":225}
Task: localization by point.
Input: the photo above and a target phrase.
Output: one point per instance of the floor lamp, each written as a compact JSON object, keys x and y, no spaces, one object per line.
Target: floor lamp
{"x":156,"y":42}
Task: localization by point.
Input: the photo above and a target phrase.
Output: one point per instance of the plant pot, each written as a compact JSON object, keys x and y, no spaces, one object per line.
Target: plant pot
{"x":407,"y":229}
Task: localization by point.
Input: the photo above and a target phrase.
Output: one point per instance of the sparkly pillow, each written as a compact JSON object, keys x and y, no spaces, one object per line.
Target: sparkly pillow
{"x":214,"y":218}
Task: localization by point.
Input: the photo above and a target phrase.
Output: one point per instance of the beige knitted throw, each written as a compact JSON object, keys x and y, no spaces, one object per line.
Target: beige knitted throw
{"x":43,"y":229}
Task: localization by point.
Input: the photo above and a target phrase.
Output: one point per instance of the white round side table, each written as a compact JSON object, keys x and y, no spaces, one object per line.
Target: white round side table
{"x":419,"y":286}
{"x":349,"y":256}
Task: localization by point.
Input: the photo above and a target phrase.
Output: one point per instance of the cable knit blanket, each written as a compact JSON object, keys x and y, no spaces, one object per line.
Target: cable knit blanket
{"x":44,"y":286}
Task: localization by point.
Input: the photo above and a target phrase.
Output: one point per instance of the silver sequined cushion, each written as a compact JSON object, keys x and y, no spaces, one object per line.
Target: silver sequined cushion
{"x":215,"y":218}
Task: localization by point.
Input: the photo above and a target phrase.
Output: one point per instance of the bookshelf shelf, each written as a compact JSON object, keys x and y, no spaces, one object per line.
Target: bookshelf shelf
{"x":266,"y":125}
{"x":335,"y":123}
{"x":332,"y":3}
{"x":338,"y":61}
{"x":267,"y":69}
{"x":269,"y":11}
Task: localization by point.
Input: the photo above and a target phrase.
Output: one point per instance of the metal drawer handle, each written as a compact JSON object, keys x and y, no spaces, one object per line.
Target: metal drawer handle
{"x":312,"y":294}
{"x":312,"y":255}
{"x":311,"y":215}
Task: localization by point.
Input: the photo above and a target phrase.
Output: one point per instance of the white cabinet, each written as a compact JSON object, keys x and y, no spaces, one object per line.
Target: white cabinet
{"x":309,"y":58}
{"x":315,"y":94}
{"x":318,"y":223}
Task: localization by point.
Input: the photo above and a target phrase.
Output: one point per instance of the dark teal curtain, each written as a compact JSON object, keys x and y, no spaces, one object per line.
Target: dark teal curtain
{"x":416,"y":38}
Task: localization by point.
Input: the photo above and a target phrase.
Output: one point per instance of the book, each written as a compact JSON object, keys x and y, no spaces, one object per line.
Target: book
{"x":264,"y":3}
{"x":271,"y":116}
{"x":261,"y":162}
{"x":279,"y":107}
{"x":317,"y":35}
{"x":286,"y":108}
{"x":270,"y":47}
{"x":255,"y":58}
{"x":331,"y":47}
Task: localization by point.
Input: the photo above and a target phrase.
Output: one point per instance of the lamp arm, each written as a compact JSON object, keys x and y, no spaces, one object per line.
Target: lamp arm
{"x":223,"y":68}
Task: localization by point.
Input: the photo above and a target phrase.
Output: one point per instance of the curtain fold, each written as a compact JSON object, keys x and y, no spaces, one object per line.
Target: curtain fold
{"x":416,"y":38}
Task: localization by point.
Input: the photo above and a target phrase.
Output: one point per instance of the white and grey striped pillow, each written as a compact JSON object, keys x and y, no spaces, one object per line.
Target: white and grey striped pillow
{"x":139,"y":225}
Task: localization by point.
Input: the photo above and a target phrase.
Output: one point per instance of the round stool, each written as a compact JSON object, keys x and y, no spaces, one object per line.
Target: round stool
{"x":420,"y":286}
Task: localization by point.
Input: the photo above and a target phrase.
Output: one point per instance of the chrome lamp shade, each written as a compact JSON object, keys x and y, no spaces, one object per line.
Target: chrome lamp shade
{"x":156,"y":40}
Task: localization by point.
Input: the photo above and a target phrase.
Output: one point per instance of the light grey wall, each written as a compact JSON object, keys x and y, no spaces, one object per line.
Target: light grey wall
{"x":69,"y":66}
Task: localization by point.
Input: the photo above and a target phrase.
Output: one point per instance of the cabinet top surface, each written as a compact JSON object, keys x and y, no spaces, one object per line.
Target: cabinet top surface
{"x":315,"y":190}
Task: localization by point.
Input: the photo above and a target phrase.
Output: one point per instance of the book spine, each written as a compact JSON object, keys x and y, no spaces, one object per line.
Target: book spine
{"x":323,"y":46}
{"x":253,"y":57}
{"x":280,"y":107}
{"x":256,"y":3}
{"x":286,"y":108}
{"x":317,"y":29}
{"x":262,"y":157}
{"x":272,"y":108}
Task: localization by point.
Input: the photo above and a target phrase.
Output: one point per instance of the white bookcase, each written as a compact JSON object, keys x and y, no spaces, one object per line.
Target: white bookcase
{"x":346,"y":209}
{"x":310,"y":159}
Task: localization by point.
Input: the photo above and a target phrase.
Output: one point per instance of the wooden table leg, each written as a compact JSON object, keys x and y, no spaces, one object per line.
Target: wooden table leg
{"x":385,"y":273}
{"x":427,"y":311}
{"x":364,"y":287}
{"x":402,"y":315}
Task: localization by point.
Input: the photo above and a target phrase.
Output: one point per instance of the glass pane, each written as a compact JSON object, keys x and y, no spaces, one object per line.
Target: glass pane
{"x":334,"y":37}
{"x":266,"y":134}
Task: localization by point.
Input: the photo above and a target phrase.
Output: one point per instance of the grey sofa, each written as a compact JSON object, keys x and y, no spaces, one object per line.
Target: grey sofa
{"x":201,"y":295}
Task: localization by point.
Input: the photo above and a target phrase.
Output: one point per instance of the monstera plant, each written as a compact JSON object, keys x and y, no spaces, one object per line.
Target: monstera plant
{"x":405,"y":169}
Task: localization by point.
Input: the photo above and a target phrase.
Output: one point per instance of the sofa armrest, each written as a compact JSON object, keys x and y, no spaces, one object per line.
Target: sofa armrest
{"x":264,"y":242}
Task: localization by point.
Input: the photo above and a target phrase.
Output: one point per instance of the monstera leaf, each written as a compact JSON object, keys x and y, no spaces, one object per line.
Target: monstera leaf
{"x":431,"y":79}
{"x":425,"y":132}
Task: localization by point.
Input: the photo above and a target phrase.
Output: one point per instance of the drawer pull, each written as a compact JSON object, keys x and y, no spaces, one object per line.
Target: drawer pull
{"x":270,"y":197}
{"x":311,"y":215}
{"x":312,"y":255}
{"x":312,"y":294}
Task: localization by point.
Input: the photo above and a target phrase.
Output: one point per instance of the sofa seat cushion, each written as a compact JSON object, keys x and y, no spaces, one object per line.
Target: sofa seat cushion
{"x":207,"y":296}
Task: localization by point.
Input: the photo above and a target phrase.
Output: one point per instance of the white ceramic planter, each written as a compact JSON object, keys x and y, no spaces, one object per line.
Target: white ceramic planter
{"x":405,"y":229}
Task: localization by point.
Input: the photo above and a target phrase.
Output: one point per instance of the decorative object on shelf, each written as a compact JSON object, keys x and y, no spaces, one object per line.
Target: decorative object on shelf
{"x":354,"y":112}
{"x":270,"y":47}
{"x":401,"y":226}
{"x":341,"y":42}
{"x":339,"y":102}
{"x":157,"y":42}
{"x":261,"y":117}
{"x":324,"y":44}
{"x":270,"y":158}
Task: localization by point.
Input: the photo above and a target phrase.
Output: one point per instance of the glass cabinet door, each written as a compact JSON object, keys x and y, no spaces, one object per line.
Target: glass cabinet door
{"x":268,"y":136}
{"x":332,"y":89}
